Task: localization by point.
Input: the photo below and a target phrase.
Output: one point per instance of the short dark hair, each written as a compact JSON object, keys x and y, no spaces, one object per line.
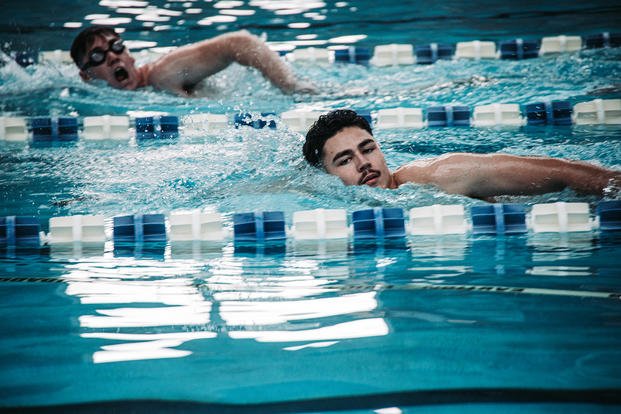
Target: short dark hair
{"x":326,"y":127}
{"x":85,"y":39}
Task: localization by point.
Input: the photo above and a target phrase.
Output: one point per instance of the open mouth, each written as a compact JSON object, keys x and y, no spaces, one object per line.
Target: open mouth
{"x":371,"y":175}
{"x":120,"y":74}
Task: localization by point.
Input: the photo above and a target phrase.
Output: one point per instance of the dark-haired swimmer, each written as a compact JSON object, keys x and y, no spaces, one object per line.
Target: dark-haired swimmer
{"x":99,"y":52}
{"x":342,"y":143}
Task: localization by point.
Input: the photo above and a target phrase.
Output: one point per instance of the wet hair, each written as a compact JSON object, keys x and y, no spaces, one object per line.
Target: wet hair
{"x":85,"y":39}
{"x":326,"y":127}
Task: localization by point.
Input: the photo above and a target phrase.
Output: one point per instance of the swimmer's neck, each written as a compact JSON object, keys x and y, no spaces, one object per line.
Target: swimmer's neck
{"x":145,"y":79}
{"x":143,"y":76}
{"x":393,"y":183}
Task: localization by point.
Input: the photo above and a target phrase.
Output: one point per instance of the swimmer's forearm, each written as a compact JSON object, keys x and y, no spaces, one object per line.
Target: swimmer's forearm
{"x":512,"y":175}
{"x":249,"y":50}
{"x":185,"y":67}
{"x":588,"y":178}
{"x":489,"y":175}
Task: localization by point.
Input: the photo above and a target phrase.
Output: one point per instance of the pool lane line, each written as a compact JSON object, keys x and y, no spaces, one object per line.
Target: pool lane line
{"x":517,"y":290}
{"x":487,"y":289}
{"x":32,"y":280}
{"x":607,"y":396}
{"x":409,"y":286}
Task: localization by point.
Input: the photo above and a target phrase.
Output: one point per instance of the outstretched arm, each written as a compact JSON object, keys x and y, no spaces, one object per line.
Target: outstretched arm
{"x":488,"y":175}
{"x":182,"y":69}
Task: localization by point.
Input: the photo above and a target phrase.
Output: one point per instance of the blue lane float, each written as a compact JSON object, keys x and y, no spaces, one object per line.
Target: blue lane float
{"x":139,"y":228}
{"x":259,"y":226}
{"x":366,"y":114}
{"x":609,"y":214}
{"x":448,"y":116}
{"x":353,"y":54}
{"x":549,"y":113}
{"x":54,"y":129}
{"x":154,"y":127}
{"x":378,"y":223}
{"x":19,"y":231}
{"x":603,"y":40}
{"x":431,"y":53}
{"x":519,"y":49}
{"x":247,"y":119}
{"x":498,"y":219}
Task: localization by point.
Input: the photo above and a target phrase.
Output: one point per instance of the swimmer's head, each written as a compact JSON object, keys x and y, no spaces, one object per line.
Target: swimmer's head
{"x":100,"y":53}
{"x":342,"y":143}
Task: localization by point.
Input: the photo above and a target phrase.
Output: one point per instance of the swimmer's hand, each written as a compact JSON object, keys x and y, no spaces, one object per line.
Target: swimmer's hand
{"x":305,"y":87}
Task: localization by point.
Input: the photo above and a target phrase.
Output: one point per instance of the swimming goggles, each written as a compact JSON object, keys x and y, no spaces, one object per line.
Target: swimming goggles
{"x":97,"y":56}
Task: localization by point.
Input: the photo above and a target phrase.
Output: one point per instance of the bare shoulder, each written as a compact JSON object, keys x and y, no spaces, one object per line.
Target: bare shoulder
{"x":414,"y":172}
{"x":447,"y":171}
{"x":157,"y":73}
{"x":460,"y":157}
{"x":427,"y":166}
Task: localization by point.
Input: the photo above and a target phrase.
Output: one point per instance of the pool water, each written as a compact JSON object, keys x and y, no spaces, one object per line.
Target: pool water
{"x":427,"y":324}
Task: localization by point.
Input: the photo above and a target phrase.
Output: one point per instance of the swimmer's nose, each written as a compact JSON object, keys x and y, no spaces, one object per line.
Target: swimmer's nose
{"x":362,"y":163}
{"x":111,"y":59}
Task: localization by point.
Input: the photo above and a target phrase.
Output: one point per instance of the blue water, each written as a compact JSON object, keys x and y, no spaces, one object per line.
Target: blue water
{"x":309,"y":327}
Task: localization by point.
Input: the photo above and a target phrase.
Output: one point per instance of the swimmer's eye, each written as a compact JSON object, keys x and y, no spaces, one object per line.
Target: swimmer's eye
{"x":343,"y":161}
{"x":368,"y":150}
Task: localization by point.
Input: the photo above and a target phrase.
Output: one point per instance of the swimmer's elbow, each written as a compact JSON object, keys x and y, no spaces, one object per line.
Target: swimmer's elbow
{"x":242,"y":40}
{"x":242,"y":34}
{"x":248,"y":50}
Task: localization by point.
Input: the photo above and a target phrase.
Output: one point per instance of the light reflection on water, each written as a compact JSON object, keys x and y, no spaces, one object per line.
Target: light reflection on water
{"x":434,"y":307}
{"x":147,"y":309}
{"x":164,"y":295}
{"x":221,"y":15}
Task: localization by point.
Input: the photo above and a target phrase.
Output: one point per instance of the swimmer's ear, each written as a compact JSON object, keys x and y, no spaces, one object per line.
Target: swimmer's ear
{"x":84,"y":76}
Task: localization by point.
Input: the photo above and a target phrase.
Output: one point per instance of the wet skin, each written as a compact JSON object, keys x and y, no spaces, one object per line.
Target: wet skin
{"x":181,"y":70}
{"x":356,"y":158}
{"x":119,"y":71}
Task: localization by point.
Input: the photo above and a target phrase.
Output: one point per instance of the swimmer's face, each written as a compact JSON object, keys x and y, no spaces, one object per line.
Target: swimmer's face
{"x":116,"y":69}
{"x":356,"y":158}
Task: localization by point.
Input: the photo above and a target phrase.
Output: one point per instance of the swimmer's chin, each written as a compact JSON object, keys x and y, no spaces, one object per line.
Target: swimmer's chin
{"x":100,"y":83}
{"x":128,"y":84}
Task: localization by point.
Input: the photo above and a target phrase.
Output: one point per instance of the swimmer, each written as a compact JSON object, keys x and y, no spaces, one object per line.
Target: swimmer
{"x":341,"y":142}
{"x":100,"y":53}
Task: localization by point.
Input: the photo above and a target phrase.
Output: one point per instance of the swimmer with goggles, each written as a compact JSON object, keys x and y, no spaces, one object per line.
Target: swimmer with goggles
{"x":99,"y":53}
{"x":97,"y":56}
